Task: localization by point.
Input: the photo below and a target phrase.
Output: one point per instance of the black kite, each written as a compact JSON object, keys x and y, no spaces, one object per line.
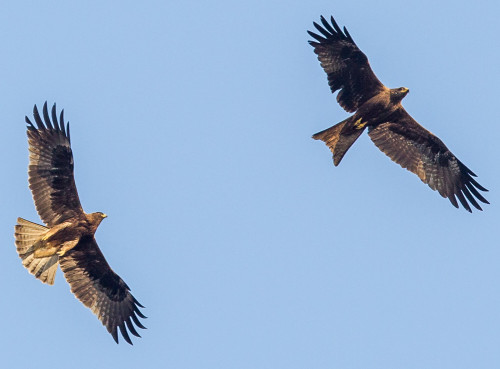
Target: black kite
{"x":390,"y":127}
{"x":68,"y":237}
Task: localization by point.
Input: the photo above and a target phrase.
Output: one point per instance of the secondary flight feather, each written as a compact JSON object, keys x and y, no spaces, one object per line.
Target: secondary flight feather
{"x":390,"y":127}
{"x":67,"y":239}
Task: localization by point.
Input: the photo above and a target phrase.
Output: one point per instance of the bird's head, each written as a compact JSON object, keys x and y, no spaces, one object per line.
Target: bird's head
{"x":96,"y":218}
{"x":397,"y":94}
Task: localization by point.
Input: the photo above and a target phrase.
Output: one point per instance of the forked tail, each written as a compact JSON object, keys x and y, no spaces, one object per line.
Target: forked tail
{"x":339,"y":138}
{"x":26,"y":234}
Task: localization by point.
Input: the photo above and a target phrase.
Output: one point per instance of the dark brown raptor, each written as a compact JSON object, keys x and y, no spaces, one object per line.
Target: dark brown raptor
{"x":68,"y":237}
{"x":390,"y":127}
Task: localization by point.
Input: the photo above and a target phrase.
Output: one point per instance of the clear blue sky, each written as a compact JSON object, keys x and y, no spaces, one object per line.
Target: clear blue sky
{"x":191,"y":125}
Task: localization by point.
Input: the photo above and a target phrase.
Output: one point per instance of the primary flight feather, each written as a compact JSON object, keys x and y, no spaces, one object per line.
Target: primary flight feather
{"x":390,"y":127}
{"x":67,"y":239}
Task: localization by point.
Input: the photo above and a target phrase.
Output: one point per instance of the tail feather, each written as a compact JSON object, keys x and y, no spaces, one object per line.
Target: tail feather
{"x":339,"y":138}
{"x":26,"y":234}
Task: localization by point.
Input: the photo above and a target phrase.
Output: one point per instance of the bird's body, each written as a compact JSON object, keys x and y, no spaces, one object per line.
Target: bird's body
{"x":373,"y":112}
{"x":390,"y":127}
{"x":67,"y":239}
{"x":66,"y":235}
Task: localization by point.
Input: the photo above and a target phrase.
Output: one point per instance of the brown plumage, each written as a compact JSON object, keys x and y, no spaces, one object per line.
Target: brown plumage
{"x":390,"y":127}
{"x":68,"y":237}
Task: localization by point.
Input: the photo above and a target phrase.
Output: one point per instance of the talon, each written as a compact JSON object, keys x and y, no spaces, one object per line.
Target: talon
{"x":359,"y":124}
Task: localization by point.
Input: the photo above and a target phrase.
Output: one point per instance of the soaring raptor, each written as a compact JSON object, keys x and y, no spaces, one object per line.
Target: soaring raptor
{"x":390,"y":127}
{"x":67,"y":239}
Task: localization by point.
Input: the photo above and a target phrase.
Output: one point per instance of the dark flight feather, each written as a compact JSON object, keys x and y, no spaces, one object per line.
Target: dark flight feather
{"x":414,"y":148}
{"x":50,"y":172}
{"x":346,"y":66}
{"x":100,"y":289}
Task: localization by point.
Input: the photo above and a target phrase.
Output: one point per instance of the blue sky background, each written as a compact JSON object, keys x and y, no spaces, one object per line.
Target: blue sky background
{"x":191,"y":125}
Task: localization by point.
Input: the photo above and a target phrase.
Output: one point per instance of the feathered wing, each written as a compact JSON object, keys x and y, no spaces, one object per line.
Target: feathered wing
{"x":95,"y":284}
{"x":50,"y":171}
{"x":413,"y":147}
{"x":345,"y":64}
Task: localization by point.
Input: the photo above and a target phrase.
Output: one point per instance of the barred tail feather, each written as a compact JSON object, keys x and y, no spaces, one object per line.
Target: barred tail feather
{"x":26,"y":234}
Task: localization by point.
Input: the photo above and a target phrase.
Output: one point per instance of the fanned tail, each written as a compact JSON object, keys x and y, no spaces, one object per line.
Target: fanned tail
{"x":26,"y":234}
{"x":339,"y":138}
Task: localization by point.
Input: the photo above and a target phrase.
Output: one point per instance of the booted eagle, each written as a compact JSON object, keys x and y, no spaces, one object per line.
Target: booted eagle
{"x":68,"y":237}
{"x":390,"y":127}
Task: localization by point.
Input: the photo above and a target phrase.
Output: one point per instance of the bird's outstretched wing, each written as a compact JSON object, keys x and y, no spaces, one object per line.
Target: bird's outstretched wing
{"x":345,"y":64}
{"x":100,"y":289}
{"x":50,"y":168}
{"x":413,"y":147}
